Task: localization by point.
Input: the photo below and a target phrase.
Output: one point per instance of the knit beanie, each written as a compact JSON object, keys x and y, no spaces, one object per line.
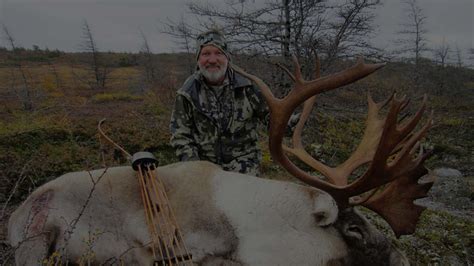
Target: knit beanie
{"x":212,"y":37}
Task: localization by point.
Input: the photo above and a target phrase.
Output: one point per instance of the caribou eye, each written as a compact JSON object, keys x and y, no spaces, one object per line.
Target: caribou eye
{"x":354,"y":231}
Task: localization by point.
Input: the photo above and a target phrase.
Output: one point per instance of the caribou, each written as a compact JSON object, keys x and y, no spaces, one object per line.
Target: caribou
{"x":229,"y":218}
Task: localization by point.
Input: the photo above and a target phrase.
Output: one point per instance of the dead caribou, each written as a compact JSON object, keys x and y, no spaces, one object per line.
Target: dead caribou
{"x":233,"y":219}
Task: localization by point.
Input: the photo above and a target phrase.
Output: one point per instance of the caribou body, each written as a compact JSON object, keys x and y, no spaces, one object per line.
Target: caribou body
{"x":226,"y":218}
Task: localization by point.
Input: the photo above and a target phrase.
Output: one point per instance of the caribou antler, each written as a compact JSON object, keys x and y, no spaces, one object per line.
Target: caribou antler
{"x":387,"y":145}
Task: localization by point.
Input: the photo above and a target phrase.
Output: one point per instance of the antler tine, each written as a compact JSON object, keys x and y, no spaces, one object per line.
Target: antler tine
{"x":396,"y":200}
{"x":282,"y":109}
{"x":409,"y":125}
{"x":363,"y":153}
{"x":298,"y":76}
{"x":287,"y":71}
{"x":266,"y":92}
{"x":309,"y":88}
{"x":386,"y":102}
{"x":403,"y":157}
{"x":370,"y":139}
{"x":298,"y":149}
{"x":307,"y":107}
{"x":405,"y":104}
{"x":382,"y":172}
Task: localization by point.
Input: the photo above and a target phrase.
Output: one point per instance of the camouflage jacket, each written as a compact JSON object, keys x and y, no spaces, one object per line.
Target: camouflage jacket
{"x":219,"y":125}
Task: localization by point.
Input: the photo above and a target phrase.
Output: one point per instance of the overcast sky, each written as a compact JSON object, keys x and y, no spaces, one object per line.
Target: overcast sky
{"x":116,"y":24}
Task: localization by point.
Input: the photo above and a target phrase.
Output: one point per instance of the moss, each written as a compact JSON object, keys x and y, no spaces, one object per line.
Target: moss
{"x":440,"y":236}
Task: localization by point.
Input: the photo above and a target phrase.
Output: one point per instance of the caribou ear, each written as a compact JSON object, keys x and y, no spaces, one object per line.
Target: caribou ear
{"x":325,"y":210}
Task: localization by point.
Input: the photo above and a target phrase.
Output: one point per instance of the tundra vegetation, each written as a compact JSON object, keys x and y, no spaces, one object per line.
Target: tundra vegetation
{"x":52,"y":129}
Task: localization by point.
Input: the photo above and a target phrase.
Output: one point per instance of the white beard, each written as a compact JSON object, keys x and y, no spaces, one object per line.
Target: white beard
{"x":213,"y":76}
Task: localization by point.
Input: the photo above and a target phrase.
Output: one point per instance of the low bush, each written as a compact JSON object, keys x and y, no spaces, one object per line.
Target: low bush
{"x":115,"y":96}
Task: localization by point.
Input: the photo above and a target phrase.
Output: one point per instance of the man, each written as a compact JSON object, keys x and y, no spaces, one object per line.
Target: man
{"x":217,"y":111}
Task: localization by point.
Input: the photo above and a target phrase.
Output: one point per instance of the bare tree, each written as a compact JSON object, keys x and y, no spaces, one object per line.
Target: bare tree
{"x":147,"y":61}
{"x":96,"y":64}
{"x":414,"y":31}
{"x":184,"y":35}
{"x":441,"y":53}
{"x":351,"y":30}
{"x":458,"y":54}
{"x":283,"y":27}
{"x":25,"y":93}
{"x":278,"y":28}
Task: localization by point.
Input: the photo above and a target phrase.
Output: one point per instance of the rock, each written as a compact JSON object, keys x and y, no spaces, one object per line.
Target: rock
{"x":447,"y":172}
{"x":449,"y":185}
{"x":451,"y":192}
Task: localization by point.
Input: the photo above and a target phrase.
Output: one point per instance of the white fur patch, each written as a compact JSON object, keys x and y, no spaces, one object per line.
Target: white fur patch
{"x":274,"y":221}
{"x":325,"y":210}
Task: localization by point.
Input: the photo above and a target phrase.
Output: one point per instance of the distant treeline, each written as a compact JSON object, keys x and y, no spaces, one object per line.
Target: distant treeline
{"x":36,"y":54}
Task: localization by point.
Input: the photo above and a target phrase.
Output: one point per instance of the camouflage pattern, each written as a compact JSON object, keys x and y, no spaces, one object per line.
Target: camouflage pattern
{"x":219,"y":124}
{"x":213,"y":37}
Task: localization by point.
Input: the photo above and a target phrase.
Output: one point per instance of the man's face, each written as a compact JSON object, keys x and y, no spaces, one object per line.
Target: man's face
{"x":213,"y":64}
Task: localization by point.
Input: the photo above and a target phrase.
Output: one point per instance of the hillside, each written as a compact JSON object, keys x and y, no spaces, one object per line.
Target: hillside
{"x":50,"y":105}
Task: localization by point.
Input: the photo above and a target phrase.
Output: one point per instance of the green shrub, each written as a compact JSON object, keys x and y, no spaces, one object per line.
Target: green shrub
{"x":115,"y":96}
{"x":334,"y":139}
